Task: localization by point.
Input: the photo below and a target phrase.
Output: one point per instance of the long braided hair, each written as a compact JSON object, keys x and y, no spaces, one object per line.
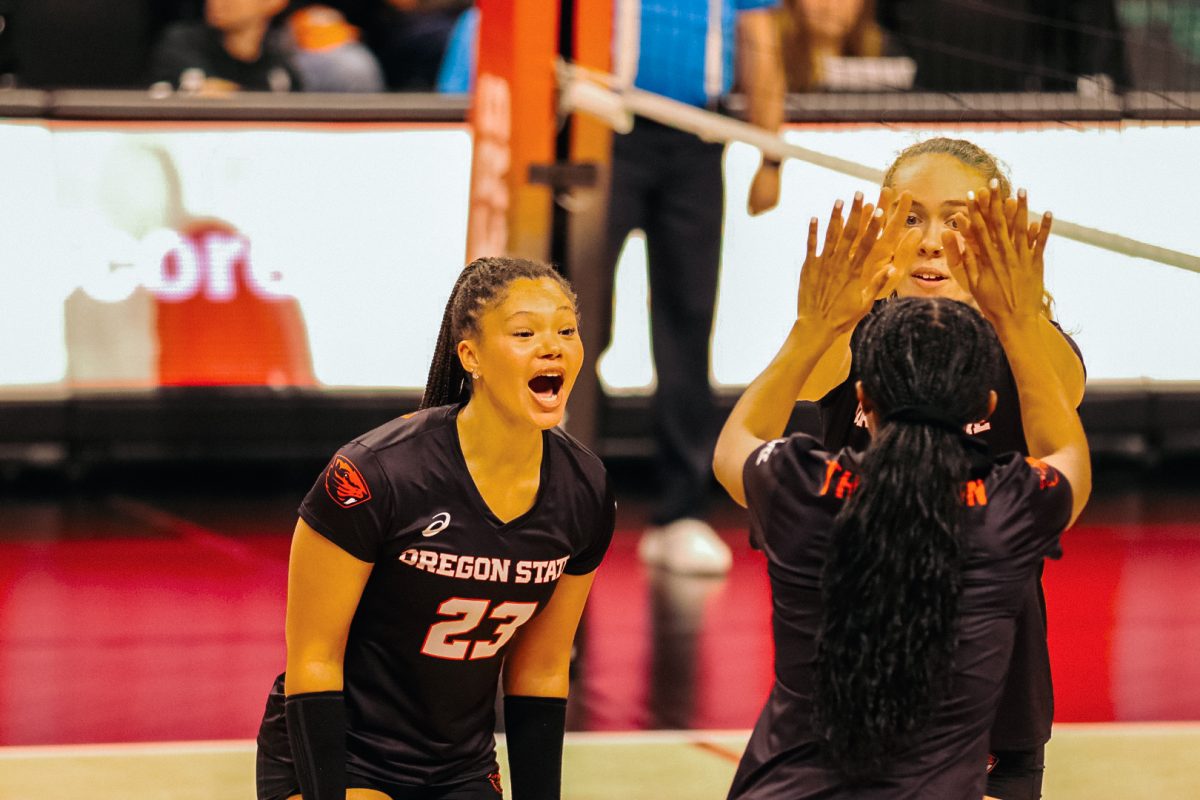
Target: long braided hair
{"x":892,"y":579}
{"x":482,"y":282}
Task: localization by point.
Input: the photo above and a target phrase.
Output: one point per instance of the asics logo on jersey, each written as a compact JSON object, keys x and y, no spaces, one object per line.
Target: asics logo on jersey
{"x":345,"y":484}
{"x":441,"y":521}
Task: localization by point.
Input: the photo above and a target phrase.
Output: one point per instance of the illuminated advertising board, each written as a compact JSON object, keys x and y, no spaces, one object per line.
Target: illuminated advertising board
{"x":134,"y":256}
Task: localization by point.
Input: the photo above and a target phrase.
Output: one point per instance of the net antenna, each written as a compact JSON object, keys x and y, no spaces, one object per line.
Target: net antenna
{"x":603,"y":96}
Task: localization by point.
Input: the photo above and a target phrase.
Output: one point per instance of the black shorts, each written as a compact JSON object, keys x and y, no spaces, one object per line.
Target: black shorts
{"x":1017,"y":774}
{"x":275,"y":772}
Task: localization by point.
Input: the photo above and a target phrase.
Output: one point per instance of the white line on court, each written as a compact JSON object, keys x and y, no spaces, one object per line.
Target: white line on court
{"x":575,"y":739}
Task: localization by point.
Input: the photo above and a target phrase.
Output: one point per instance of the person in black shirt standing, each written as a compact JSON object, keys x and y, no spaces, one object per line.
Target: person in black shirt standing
{"x":438,"y":551}
{"x":939,"y":173}
{"x":230,"y":50}
{"x":897,"y":573}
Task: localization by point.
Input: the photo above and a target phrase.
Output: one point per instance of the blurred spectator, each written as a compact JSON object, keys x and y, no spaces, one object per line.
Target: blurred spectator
{"x":1008,"y":45}
{"x":1163,"y":44}
{"x":228,"y":51}
{"x":457,"y":72}
{"x":814,"y":31}
{"x":325,"y":50}
{"x":409,"y":37}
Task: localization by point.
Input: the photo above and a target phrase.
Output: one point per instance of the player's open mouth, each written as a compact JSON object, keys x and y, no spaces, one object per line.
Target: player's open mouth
{"x":547,"y":388}
{"x":928,"y":277}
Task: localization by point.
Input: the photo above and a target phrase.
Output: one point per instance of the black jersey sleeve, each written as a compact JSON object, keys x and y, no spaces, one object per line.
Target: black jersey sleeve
{"x":1047,"y":495}
{"x":596,"y":544}
{"x":773,"y":463}
{"x":351,"y":502}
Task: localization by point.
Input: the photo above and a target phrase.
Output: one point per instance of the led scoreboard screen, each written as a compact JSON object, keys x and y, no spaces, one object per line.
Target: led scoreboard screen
{"x":139,"y":255}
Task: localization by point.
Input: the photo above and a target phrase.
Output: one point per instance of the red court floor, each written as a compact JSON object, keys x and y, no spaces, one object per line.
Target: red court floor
{"x":126,"y":617}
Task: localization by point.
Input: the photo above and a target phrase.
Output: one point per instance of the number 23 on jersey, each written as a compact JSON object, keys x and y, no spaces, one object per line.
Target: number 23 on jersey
{"x":441,"y":641}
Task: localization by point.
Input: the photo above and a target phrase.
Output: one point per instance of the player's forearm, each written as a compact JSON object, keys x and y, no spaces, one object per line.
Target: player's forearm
{"x":1065,"y":360}
{"x":540,"y":677}
{"x":831,"y":370}
{"x":762,"y":62}
{"x":765,"y":407}
{"x":557,"y":685}
{"x":306,"y":674}
{"x":1047,"y":413}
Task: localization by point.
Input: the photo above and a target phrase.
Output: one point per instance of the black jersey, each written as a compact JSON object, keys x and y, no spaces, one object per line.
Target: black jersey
{"x":451,"y":585}
{"x":1014,"y":518}
{"x":1027,"y":708}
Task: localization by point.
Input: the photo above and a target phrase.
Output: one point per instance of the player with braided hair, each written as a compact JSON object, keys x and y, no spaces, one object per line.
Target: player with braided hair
{"x":940,"y":173}
{"x":897,"y":572}
{"x":893,"y":579}
{"x":437,"y":553}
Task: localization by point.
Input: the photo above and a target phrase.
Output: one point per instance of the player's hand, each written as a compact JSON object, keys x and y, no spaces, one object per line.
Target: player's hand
{"x":1001,"y":257}
{"x":897,"y":243}
{"x":764,"y":189}
{"x":838,"y":286}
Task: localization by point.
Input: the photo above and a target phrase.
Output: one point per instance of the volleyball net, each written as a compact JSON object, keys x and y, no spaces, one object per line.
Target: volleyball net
{"x":602,"y":96}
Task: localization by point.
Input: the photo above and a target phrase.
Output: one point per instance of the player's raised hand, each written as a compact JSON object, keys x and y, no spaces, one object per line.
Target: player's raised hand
{"x":897,"y":244}
{"x":838,"y":285}
{"x":1001,"y":258}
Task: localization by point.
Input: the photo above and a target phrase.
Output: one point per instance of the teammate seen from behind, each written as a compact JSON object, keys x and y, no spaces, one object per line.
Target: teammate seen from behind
{"x":438,"y":551}
{"x":897,"y":572}
{"x":939,"y":174}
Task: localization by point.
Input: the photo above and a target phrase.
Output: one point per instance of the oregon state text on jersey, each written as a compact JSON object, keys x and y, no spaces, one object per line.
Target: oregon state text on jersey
{"x":450,"y":587}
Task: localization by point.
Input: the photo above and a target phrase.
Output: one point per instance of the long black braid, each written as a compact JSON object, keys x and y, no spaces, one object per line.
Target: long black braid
{"x":481,"y":283}
{"x":892,"y":580}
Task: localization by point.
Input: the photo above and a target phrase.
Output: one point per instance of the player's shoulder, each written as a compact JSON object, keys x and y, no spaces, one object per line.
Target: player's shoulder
{"x":796,"y":460}
{"x":795,"y":446}
{"x":1007,"y":468}
{"x":582,"y":459}
{"x":408,"y":430}
{"x":1015,"y":476}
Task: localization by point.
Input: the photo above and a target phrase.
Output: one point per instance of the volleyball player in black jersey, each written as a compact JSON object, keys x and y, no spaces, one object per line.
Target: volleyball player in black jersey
{"x":897,"y":573}
{"x":438,"y":551}
{"x":939,"y":173}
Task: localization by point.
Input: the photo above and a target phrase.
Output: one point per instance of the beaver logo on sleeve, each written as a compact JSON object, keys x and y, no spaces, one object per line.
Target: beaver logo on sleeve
{"x":345,"y":484}
{"x":1047,"y":475}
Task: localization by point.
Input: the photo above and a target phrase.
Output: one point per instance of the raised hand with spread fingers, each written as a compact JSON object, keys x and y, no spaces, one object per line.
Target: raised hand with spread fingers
{"x":838,"y":286}
{"x":999,"y":262}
